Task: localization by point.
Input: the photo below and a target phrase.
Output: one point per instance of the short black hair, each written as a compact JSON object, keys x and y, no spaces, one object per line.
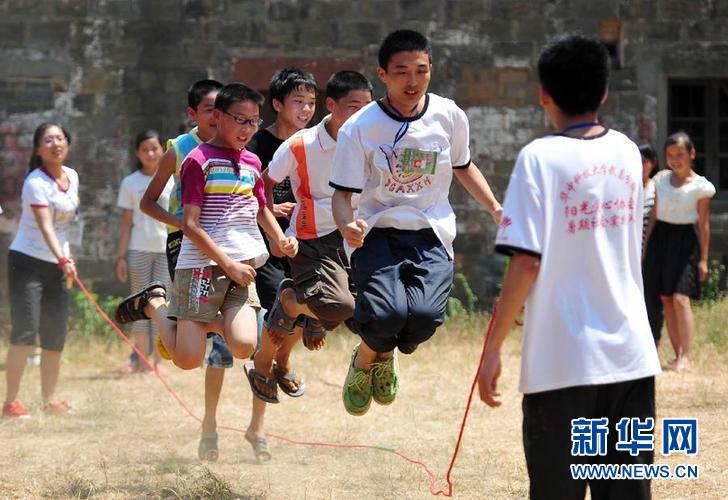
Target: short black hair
{"x":199,"y":90}
{"x":403,"y":41}
{"x":648,"y":151}
{"x":343,"y":82}
{"x":237,"y":92}
{"x":680,"y":137}
{"x":574,"y":71}
{"x":286,"y":81}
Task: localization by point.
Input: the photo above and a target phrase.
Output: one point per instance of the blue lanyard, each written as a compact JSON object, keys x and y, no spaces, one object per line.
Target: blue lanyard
{"x":579,"y":125}
{"x":404,"y":127}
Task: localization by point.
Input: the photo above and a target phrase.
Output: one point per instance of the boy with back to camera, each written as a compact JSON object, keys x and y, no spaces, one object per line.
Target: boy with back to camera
{"x":572,"y":222}
{"x":401,"y":153}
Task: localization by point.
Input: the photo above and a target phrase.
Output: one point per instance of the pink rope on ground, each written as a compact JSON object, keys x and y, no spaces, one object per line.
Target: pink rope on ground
{"x":423,"y":465}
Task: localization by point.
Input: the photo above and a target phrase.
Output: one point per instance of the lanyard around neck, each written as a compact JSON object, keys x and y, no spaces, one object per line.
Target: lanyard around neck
{"x":405,"y":126}
{"x":579,"y":125}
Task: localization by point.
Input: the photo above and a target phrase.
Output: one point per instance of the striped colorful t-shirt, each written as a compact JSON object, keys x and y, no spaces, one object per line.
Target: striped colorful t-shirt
{"x":227,"y":186}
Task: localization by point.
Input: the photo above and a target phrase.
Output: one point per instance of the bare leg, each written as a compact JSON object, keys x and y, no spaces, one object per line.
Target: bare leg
{"x":14,"y":367}
{"x":366,"y":356}
{"x":671,"y":324}
{"x":292,"y":307}
{"x":240,"y":330}
{"x":214,"y":378}
{"x":156,"y":309}
{"x":189,"y":348}
{"x":142,"y":343}
{"x":50,"y":367}
{"x":686,"y":328}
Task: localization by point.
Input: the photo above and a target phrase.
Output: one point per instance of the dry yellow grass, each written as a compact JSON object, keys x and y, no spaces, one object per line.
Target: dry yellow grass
{"x":126,"y":438}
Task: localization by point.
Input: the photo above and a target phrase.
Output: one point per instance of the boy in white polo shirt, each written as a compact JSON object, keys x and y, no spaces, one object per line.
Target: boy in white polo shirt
{"x":572,"y":221}
{"x":400,"y":153}
{"x":319,"y":288}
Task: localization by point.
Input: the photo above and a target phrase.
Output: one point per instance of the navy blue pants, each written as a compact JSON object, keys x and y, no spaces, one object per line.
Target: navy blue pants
{"x":403,"y":280}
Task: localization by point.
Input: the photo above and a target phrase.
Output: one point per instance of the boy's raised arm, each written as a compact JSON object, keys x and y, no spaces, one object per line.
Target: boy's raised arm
{"x":149,"y":204}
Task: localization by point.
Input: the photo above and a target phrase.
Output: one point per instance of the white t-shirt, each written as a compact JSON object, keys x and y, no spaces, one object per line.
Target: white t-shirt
{"x":679,"y":205}
{"x":42,"y":190}
{"x":147,"y":234}
{"x":404,"y":185}
{"x":578,"y":204}
{"x":307,"y":157}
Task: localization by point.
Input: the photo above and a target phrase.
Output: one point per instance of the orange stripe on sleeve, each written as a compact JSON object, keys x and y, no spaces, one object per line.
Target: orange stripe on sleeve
{"x":306,"y":217}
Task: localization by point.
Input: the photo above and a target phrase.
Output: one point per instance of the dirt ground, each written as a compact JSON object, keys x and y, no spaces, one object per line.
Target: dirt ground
{"x":127,"y":438}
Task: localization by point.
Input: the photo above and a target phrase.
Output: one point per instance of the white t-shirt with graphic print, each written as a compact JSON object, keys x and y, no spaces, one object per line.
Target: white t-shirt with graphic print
{"x":578,"y":204}
{"x":307,"y":158}
{"x":42,"y":190}
{"x":679,"y":205}
{"x":404,"y":185}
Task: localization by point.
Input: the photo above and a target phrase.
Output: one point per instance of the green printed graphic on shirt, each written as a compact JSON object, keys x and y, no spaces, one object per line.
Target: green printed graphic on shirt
{"x":418,"y":161}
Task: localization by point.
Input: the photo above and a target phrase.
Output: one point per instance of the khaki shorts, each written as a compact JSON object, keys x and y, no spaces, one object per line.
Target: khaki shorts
{"x":199,"y":294}
{"x":320,"y":273}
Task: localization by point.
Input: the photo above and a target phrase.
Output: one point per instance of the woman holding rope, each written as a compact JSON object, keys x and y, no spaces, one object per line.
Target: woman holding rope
{"x":39,"y":265}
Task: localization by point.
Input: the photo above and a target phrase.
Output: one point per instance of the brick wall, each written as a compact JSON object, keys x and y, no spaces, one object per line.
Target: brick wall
{"x":110,"y":68}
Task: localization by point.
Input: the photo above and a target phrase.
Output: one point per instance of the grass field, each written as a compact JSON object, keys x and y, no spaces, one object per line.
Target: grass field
{"x":126,"y":438}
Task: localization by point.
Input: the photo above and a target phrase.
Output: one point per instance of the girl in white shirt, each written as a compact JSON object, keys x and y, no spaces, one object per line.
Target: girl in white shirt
{"x":39,"y":266}
{"x":141,"y":256}
{"x":676,"y":259}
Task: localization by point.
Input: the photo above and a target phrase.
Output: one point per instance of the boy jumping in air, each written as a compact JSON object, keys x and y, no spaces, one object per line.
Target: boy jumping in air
{"x":319,"y":288}
{"x":400,"y":153}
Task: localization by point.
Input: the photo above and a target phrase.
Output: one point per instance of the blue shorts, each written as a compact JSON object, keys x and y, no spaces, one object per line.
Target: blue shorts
{"x":403,"y":280}
{"x":219,"y":355}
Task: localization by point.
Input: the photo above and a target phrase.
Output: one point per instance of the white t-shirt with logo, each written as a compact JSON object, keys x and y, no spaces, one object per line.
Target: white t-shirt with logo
{"x":147,"y":234}
{"x":578,"y":204}
{"x":307,"y":158}
{"x":42,"y":190}
{"x":679,"y":205}
{"x":404,"y":185}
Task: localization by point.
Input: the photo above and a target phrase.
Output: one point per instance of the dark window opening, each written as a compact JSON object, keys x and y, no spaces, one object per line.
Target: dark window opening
{"x":700,"y":108}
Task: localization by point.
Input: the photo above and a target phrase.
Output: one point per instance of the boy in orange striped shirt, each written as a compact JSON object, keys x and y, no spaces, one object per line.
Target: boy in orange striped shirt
{"x":319,"y":288}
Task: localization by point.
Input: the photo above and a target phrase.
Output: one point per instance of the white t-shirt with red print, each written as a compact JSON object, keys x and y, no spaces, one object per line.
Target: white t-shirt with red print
{"x":577,"y":203}
{"x":307,"y":157}
{"x":404,"y":184}
{"x":42,"y":190}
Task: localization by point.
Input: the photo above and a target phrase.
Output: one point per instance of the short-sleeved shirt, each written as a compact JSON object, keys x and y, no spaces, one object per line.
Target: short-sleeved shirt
{"x":227,"y":186}
{"x":577,"y":203}
{"x":182,"y":145}
{"x":147,"y":234}
{"x":306,"y":158}
{"x":42,"y":190}
{"x":264,"y":144}
{"x":404,"y":185}
{"x":679,"y":205}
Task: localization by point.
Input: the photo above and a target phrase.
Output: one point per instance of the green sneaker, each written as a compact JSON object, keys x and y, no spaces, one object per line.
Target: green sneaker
{"x":357,"y":392}
{"x":385,"y":380}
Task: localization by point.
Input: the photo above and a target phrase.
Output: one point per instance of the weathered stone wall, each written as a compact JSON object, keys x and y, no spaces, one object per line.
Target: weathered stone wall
{"x":110,"y":68}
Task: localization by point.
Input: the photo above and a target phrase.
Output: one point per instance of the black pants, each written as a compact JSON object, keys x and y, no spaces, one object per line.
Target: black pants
{"x":39,"y":302}
{"x":402,"y":280}
{"x":547,"y":438}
